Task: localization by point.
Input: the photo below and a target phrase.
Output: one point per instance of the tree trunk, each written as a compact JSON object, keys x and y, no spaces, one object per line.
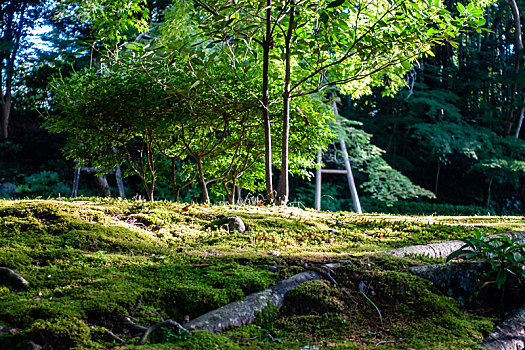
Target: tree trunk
{"x":489,"y":190}
{"x":436,"y":186}
{"x":284,"y":193}
{"x":5,"y":112}
{"x":202,"y":181}
{"x":520,"y":123}
{"x":120,"y":183}
{"x":519,"y":47}
{"x":102,"y":184}
{"x":268,"y":43}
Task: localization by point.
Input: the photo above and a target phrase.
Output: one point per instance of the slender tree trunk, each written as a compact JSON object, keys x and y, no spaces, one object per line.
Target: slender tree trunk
{"x":176,"y":188}
{"x":437,"y":178}
{"x":519,"y":47}
{"x":285,"y":187}
{"x":5,"y":112}
{"x":489,"y":190}
{"x":266,"y":104}
{"x":202,"y":181}
{"x":9,"y":68}
{"x":520,"y":123}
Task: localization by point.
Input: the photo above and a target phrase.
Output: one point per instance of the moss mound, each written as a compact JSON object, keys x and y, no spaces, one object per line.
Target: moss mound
{"x":93,"y":264}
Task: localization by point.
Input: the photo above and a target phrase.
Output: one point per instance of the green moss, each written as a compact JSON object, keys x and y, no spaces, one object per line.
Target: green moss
{"x":91,"y":262}
{"x":60,"y":333}
{"x":315,"y":297}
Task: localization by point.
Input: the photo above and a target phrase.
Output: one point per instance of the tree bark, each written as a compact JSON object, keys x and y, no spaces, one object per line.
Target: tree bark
{"x":202,"y":181}
{"x":436,"y":186}
{"x":443,"y":249}
{"x":243,"y":312}
{"x":489,"y":190}
{"x":14,"y":37}
{"x":510,"y":334}
{"x":284,"y":193}
{"x":102,"y":184}
{"x":267,"y":45}
{"x":520,"y":123}
{"x":519,"y":47}
{"x":6,"y":111}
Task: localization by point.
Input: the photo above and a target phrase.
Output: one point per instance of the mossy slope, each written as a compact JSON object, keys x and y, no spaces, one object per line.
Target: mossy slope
{"x":91,"y":263}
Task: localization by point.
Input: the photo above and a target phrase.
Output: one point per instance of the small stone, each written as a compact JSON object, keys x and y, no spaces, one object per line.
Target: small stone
{"x":235,"y":223}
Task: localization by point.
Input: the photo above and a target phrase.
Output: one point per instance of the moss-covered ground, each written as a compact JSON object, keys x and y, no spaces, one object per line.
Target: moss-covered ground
{"x":93,"y":263}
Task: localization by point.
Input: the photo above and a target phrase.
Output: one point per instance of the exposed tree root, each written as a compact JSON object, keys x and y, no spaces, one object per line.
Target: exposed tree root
{"x":167,"y":323}
{"x":243,"y":312}
{"x":113,"y":336}
{"x":10,"y":277}
{"x":510,"y":334}
{"x":442,"y":249}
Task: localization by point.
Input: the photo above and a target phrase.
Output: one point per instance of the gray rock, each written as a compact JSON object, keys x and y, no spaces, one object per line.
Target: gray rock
{"x":7,"y":189}
{"x":235,"y":223}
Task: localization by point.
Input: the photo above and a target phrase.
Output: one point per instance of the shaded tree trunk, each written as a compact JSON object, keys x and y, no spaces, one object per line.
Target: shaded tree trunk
{"x":284,"y":192}
{"x":202,"y":181}
{"x":12,"y":35}
{"x":489,"y":190}
{"x":267,"y":45}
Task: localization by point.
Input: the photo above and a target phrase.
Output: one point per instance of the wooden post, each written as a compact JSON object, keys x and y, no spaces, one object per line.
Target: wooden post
{"x":350,"y":177}
{"x":318,"y":175}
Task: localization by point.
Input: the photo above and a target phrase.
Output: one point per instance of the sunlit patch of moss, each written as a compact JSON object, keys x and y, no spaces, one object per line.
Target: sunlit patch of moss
{"x":96,"y":261}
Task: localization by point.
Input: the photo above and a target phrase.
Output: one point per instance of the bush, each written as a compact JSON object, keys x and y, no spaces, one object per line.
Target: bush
{"x":45,"y":183}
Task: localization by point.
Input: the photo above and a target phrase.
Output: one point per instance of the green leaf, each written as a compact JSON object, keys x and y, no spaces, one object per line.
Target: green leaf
{"x":501,"y":278}
{"x":457,"y":253}
{"x":323,"y":17}
{"x":335,"y":3}
{"x":461,"y":8}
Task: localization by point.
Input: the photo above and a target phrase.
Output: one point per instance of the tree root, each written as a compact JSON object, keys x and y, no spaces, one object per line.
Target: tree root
{"x":243,"y":312}
{"x":510,"y":334}
{"x":443,"y":249}
{"x":167,"y":323}
{"x":10,"y":277}
{"x":113,"y":336}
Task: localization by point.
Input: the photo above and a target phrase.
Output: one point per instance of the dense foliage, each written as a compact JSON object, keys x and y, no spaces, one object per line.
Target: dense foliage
{"x":174,"y":93}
